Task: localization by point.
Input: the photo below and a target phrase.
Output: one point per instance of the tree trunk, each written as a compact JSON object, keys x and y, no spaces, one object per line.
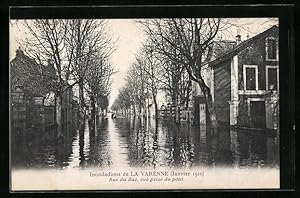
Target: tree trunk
{"x":145,"y":109}
{"x":176,"y":104}
{"x":105,"y":111}
{"x":174,"y":96}
{"x":93,"y":112}
{"x":134,"y":110}
{"x":148,"y":109}
{"x":196,"y":114}
{"x":177,"y":113}
{"x":188,"y":94}
{"x":155,"y":106}
{"x":140,"y":109}
{"x":58,"y":114}
{"x":81,"y":97}
{"x":209,"y":103}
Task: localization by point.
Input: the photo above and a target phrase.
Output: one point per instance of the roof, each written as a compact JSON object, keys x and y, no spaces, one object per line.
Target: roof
{"x":233,"y":51}
{"x":218,"y":48}
{"x":36,"y":79}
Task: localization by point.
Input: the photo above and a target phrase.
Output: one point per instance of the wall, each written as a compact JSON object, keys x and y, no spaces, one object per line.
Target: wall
{"x":222,"y":91}
{"x":254,"y":54}
{"x":26,"y":113}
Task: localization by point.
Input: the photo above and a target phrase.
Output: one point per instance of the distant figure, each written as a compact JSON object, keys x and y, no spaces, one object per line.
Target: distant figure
{"x":112,"y":116}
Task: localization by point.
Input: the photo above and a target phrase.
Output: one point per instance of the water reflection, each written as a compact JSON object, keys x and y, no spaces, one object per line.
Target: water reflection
{"x":39,"y":149}
{"x":140,"y":142}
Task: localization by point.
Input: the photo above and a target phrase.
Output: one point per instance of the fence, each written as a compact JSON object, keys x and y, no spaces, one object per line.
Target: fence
{"x":186,"y":115}
{"x":18,"y":117}
{"x":49,"y":112}
{"x":30,"y":116}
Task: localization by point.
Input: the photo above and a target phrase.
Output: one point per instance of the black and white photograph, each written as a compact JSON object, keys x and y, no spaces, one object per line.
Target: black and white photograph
{"x":144,"y":103}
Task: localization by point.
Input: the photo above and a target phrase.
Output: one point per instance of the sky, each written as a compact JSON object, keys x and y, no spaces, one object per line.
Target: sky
{"x":130,"y":38}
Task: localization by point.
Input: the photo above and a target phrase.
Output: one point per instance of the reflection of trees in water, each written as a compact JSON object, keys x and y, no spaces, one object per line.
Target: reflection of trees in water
{"x":93,"y":146}
{"x":99,"y":151}
{"x":148,"y":144}
{"x":181,"y":144}
{"x":41,"y":149}
{"x":201,"y":148}
{"x":129,"y":135}
{"x":81,"y":145}
{"x":64,"y":146}
{"x":186,"y":145}
{"x":145,"y":140}
{"x":151,"y":144}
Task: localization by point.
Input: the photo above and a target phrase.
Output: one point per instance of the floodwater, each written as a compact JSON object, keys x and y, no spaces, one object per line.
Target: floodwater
{"x":137,"y":142}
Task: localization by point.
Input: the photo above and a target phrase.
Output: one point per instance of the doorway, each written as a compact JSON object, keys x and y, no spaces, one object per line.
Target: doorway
{"x":258,"y":114}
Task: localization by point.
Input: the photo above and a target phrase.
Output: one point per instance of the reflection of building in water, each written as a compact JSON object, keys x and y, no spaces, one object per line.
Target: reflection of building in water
{"x":253,"y":149}
{"x":234,"y":147}
{"x":123,"y":142}
{"x":243,"y":77}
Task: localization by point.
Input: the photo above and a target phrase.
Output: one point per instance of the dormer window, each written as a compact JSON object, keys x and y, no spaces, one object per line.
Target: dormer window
{"x":271,"y":48}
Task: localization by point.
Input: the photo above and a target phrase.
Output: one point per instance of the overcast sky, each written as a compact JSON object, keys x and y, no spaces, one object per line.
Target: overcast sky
{"x":130,"y":38}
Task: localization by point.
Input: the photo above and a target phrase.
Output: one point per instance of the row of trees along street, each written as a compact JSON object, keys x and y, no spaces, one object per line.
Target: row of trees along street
{"x":170,"y":59}
{"x":79,"y":50}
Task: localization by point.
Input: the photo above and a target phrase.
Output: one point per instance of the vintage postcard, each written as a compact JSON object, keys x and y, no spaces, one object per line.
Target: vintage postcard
{"x":144,"y":104}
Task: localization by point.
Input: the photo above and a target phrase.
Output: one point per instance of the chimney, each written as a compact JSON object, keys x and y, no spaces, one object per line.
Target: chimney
{"x":238,"y":37}
{"x":19,"y":51}
{"x":50,"y":62}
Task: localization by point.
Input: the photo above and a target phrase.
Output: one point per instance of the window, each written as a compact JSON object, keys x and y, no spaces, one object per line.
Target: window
{"x":250,"y":77}
{"x":271,"y":77}
{"x":271,"y":49}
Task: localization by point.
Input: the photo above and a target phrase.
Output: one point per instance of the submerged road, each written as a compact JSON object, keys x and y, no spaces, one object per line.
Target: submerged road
{"x":137,"y":142}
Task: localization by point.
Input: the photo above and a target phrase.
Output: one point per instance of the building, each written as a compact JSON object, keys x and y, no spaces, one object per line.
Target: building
{"x":215,"y":50}
{"x":244,"y":82}
{"x":35,"y":79}
{"x":32,"y":94}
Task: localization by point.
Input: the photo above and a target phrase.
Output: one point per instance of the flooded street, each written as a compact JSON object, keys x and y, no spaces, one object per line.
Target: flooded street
{"x":121,"y":103}
{"x":136,"y":142}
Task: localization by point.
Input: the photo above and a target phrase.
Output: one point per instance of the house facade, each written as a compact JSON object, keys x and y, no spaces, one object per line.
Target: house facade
{"x":32,"y":95}
{"x":244,"y":82}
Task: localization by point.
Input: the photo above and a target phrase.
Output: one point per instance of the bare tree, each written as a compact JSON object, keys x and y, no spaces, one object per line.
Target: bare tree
{"x":70,"y":46}
{"x":186,"y":41}
{"x":175,"y":82}
{"x":152,"y":69}
{"x":46,"y":41}
{"x":99,"y":81}
{"x":136,"y":80}
{"x":136,"y":90}
{"x":85,"y":38}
